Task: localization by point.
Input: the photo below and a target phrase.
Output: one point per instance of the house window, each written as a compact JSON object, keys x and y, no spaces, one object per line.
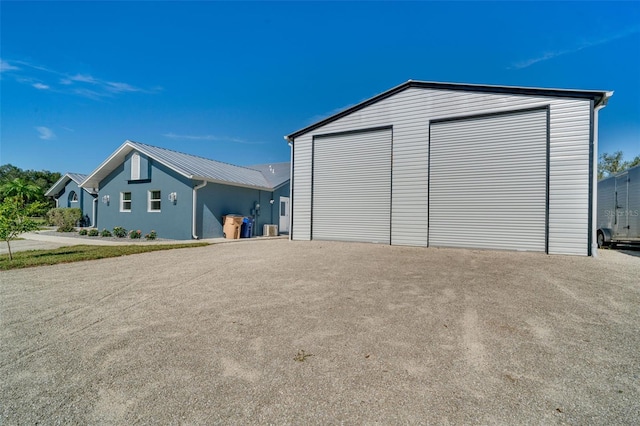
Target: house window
{"x":125,"y":201}
{"x":154,"y":201}
{"x":135,"y":166}
{"x":73,"y":197}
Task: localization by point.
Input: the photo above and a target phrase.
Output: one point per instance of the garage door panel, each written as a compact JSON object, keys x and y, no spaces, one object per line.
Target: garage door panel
{"x":488,"y":182}
{"x":352,"y":186}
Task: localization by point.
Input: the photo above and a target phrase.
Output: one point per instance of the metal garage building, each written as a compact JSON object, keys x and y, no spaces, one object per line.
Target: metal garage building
{"x":452,"y":165}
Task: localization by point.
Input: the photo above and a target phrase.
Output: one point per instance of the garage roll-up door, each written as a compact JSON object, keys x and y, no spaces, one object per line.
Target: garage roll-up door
{"x":488,"y":182}
{"x":352,"y":186}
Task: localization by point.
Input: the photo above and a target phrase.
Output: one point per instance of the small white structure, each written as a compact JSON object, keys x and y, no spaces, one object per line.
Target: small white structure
{"x":452,"y":165}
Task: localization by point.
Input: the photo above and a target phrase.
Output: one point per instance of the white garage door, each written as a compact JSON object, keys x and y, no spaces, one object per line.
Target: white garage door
{"x":488,"y":182}
{"x":352,"y":187}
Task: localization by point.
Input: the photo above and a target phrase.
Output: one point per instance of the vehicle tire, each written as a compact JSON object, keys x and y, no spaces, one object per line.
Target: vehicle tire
{"x":601,"y":242}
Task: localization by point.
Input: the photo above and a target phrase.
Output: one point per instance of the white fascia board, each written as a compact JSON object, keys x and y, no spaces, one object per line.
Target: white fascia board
{"x":56,"y":187}
{"x":124,"y":149}
{"x":226,"y":182}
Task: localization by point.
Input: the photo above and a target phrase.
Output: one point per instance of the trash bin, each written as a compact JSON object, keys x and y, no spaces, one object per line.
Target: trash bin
{"x":247,"y":227}
{"x":231,"y":227}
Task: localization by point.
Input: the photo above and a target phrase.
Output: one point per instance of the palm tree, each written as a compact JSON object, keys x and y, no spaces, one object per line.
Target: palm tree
{"x":22,"y":190}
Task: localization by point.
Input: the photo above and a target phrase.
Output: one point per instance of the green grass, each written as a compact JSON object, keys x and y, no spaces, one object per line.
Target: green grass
{"x":30,"y":258}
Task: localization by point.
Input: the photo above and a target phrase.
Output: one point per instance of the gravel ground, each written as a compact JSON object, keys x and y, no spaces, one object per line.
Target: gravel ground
{"x":323,"y":333}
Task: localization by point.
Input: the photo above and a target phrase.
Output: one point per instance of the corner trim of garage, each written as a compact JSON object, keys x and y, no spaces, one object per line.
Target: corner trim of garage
{"x":546,"y":207}
{"x":591,"y":153}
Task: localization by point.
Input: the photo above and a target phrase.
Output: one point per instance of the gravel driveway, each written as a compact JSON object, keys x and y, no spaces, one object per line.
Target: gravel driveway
{"x":315,"y":332}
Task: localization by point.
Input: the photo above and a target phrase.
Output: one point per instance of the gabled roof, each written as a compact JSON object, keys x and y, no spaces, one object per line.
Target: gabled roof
{"x":187,"y":165}
{"x":598,"y":96}
{"x":62,"y":182}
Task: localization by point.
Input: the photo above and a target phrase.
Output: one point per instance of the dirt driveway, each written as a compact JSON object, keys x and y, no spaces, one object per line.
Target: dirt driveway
{"x":312,"y":332}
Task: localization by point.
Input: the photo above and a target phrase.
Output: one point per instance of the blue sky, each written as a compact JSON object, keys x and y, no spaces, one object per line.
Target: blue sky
{"x":228,"y":80}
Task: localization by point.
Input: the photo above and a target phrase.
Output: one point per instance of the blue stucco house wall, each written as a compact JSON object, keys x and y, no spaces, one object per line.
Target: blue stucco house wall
{"x":142,"y":187}
{"x":172,"y":220}
{"x":68,"y":193}
{"x":216,"y":200}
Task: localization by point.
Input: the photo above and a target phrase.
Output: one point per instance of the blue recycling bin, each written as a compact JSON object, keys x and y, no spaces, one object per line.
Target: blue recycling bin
{"x":247,"y":227}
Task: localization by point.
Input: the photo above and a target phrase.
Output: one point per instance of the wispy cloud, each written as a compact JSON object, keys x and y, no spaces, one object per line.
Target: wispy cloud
{"x":6,"y":66}
{"x":45,"y":133}
{"x":83,"y":78}
{"x":210,"y":138}
{"x":121,"y":87}
{"x":81,"y":84}
{"x":585,"y":44}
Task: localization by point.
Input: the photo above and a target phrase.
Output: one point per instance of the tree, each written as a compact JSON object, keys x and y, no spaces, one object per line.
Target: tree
{"x":15,"y":218}
{"x":43,"y":179}
{"x":610,"y":164}
{"x":634,"y":162}
{"x":22,"y":190}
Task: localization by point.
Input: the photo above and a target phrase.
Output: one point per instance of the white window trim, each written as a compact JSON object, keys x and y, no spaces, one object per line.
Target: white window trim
{"x":122,"y":200}
{"x":74,"y":198}
{"x":149,"y":200}
{"x":135,"y":166}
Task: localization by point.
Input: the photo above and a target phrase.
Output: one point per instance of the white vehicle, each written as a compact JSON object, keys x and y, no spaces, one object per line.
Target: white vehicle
{"x":619,"y":208}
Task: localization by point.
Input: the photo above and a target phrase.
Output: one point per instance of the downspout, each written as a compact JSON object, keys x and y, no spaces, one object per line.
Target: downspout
{"x":195,"y":204}
{"x":56,"y":200}
{"x":290,"y":143}
{"x":594,"y":184}
{"x":93,"y":213}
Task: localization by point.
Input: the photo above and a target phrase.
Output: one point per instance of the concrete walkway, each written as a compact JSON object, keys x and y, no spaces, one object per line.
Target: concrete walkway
{"x":43,"y":240}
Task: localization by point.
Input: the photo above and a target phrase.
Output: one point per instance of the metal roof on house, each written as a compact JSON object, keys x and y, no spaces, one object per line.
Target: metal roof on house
{"x":78,"y":178}
{"x":276,"y":174}
{"x":187,"y":165}
{"x":599,"y":97}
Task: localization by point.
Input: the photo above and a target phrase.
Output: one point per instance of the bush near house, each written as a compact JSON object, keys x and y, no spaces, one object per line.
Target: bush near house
{"x":105,"y":233}
{"x":119,"y":232}
{"x":83,"y":232}
{"x":93,"y":232}
{"x":134,"y":235}
{"x":151,"y":235}
{"x":64,"y":218}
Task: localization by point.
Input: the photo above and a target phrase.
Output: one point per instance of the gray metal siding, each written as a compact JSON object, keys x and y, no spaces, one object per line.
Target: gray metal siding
{"x":301,"y":178}
{"x":352,"y":186}
{"x":488,"y":184}
{"x":410,"y":111}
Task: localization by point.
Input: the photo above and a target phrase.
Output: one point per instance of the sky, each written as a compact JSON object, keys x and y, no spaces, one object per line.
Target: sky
{"x":227,"y":80}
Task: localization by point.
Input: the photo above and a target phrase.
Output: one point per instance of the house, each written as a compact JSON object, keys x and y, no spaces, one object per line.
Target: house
{"x":453,"y":165}
{"x":67,"y":193}
{"x":182,"y":196}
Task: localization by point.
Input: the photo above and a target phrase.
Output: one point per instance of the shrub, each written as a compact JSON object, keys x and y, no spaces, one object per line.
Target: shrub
{"x":135,"y":234}
{"x":93,"y":232}
{"x":64,"y":218}
{"x":119,"y":232}
{"x":105,"y":233}
{"x":83,"y":232}
{"x":151,"y":235}
{"x":66,"y":228}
